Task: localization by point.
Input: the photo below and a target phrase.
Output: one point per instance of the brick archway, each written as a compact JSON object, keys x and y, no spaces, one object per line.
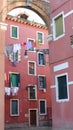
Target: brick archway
{"x":41,"y":7}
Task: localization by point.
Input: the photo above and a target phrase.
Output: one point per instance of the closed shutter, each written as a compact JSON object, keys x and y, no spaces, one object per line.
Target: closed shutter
{"x":14,"y":32}
{"x":59,"y":26}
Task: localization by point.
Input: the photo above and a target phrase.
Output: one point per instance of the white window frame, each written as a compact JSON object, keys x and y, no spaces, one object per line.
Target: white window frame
{"x":54,"y":30}
{"x":32,"y":40}
{"x":34,"y":68}
{"x":38,"y":59}
{"x":14,"y":73}
{"x":11,"y":107}
{"x":45,"y":107}
{"x":42,"y":36}
{"x":29,"y":92}
{"x":57,"y":99}
{"x":11,"y":31}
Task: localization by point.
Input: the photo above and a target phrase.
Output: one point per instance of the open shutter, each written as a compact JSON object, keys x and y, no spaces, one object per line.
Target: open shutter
{"x":18,"y":80}
{"x":44,"y":86}
{"x":10,"y":79}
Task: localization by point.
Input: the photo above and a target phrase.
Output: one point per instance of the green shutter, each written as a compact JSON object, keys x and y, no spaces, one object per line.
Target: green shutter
{"x":59,"y":26}
{"x":10,"y":79}
{"x":14,"y":32}
{"x":18,"y":80}
{"x":14,"y":80}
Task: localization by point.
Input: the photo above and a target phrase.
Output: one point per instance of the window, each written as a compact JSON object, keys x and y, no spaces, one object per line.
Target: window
{"x":41,"y":59}
{"x":14,"y":32}
{"x":58,"y":26}
{"x":41,"y":82}
{"x":40,"y":37}
{"x":62,"y":87}
{"x":32,"y":92}
{"x":33,"y":44}
{"x":43,"y":107}
{"x":14,"y":105}
{"x":32,"y":68}
{"x":71,"y":39}
{"x":14,"y":79}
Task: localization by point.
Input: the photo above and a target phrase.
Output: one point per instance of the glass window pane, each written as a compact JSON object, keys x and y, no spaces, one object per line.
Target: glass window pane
{"x":62,"y":87}
{"x":31,"y":68}
{"x":42,"y":82}
{"x":41,"y":59}
{"x":14,"y":107}
{"x":40,"y":37}
{"x":32,"y":92}
{"x":42,"y":107}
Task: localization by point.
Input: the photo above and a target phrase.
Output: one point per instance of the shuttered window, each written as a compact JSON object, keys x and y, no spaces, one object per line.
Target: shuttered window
{"x":14,"y":32}
{"x":59,"y":26}
{"x":14,"y":80}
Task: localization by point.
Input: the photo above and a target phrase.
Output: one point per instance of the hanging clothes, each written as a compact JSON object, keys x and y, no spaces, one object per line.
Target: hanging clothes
{"x":8,"y":49}
{"x":14,"y":90}
{"x":28,"y":45}
{"x":7,"y":91}
{"x":16,"y":47}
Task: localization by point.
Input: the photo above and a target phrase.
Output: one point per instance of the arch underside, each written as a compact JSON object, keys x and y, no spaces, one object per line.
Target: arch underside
{"x":40,"y":7}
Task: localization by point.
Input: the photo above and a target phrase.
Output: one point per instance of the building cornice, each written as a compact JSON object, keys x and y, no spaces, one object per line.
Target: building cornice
{"x":25,"y":21}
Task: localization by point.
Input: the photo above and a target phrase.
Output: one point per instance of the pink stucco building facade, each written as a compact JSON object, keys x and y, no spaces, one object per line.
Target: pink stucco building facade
{"x":61,"y":62}
{"x":27,"y":74}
